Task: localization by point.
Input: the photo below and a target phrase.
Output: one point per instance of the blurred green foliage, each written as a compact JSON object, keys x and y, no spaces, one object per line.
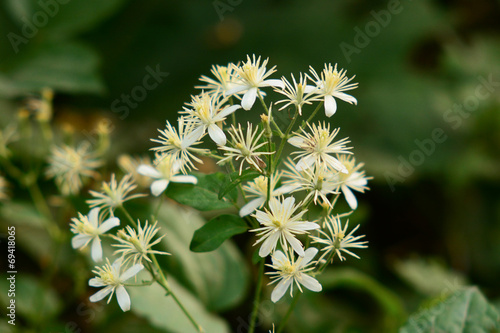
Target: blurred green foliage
{"x":431,"y":56}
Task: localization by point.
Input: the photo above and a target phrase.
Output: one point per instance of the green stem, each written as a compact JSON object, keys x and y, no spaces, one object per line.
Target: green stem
{"x":311,"y":116}
{"x":129,"y":217}
{"x":289,"y":312}
{"x":163,"y":282}
{"x":256,"y":302}
{"x":285,"y":137}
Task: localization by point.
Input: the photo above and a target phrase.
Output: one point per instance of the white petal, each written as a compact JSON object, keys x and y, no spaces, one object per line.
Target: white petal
{"x":235,"y":89}
{"x":96,"y":251}
{"x":345,"y":97}
{"x":184,"y":179}
{"x":269,"y":244}
{"x":108,"y":224}
{"x":279,"y":258}
{"x":309,"y":89}
{"x":101,"y":294}
{"x":132,"y":271}
{"x":192,"y":137}
{"x":296,"y":141}
{"x":251,"y":206}
{"x":310,"y":283}
{"x":148,"y":171}
{"x":226,"y":112}
{"x":95,"y":282}
{"x":304,"y":226}
{"x":280,"y":290}
{"x":305,"y":163}
{"x":158,"y":186}
{"x":309,"y":255}
{"x":274,"y":83}
{"x":296,"y":244}
{"x":94,"y":216}
{"x":80,"y":241}
{"x":116,"y":265}
{"x":123,"y":298}
{"x":249,"y":98}
{"x":286,"y":189}
{"x":216,"y":134}
{"x":330,"y":106}
{"x":349,"y":196}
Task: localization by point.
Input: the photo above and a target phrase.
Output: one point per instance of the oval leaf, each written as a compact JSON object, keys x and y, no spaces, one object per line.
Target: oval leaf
{"x":216,"y":231}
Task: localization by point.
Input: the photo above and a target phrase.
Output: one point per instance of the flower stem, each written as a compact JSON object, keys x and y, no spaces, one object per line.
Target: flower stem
{"x":131,"y":220}
{"x":312,"y":115}
{"x":285,"y":137}
{"x":256,"y":302}
{"x":289,"y":312}
{"x":163,"y":282}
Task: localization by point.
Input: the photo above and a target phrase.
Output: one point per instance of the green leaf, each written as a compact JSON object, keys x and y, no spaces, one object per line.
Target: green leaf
{"x":34,"y":301}
{"x":216,"y":231}
{"x":220,"y":278}
{"x":429,"y":277}
{"x":65,"y":18}
{"x":202,"y":196}
{"x":66,"y":67}
{"x":234,"y":179}
{"x":465,"y":311}
{"x":152,"y":303}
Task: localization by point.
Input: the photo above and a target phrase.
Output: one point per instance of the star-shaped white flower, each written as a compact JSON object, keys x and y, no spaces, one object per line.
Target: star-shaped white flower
{"x":318,"y":181}
{"x":180,"y":143}
{"x":88,"y":229}
{"x":208,"y":111}
{"x":354,"y":179}
{"x":289,"y":271}
{"x":331,"y":85}
{"x":279,"y":224}
{"x":257,"y":190}
{"x":225,"y":79}
{"x":112,"y":279}
{"x":297,"y":94}
{"x":337,"y":241}
{"x":166,"y":170}
{"x":318,"y":147}
{"x":245,"y":147}
{"x":252,"y":76}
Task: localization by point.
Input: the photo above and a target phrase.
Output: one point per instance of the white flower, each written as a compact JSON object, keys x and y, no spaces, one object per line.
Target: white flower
{"x":207,"y":112}
{"x":332,"y":84}
{"x":278,"y":224}
{"x":317,"y":147}
{"x":257,"y":189}
{"x":130,"y":164}
{"x":297,"y":94}
{"x":111,"y":278}
{"x":88,"y":228}
{"x":336,"y":240}
{"x":225,"y":79}
{"x":245,"y":147}
{"x":166,"y":171}
{"x":319,"y":181}
{"x":136,"y":245}
{"x":179,"y":143}
{"x":71,"y":167}
{"x":353,"y":179}
{"x":252,"y":76}
{"x":114,"y":194}
{"x":289,"y":271}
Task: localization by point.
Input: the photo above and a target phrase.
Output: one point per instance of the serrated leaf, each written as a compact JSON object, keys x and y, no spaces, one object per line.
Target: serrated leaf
{"x":465,"y":311}
{"x":234,"y":179}
{"x":216,"y":231}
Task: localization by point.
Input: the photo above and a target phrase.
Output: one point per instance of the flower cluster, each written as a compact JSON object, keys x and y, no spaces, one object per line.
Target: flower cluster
{"x":279,"y":204}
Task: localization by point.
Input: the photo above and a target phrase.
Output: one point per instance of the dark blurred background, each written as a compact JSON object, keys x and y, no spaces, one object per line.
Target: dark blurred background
{"x":426,"y":125}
